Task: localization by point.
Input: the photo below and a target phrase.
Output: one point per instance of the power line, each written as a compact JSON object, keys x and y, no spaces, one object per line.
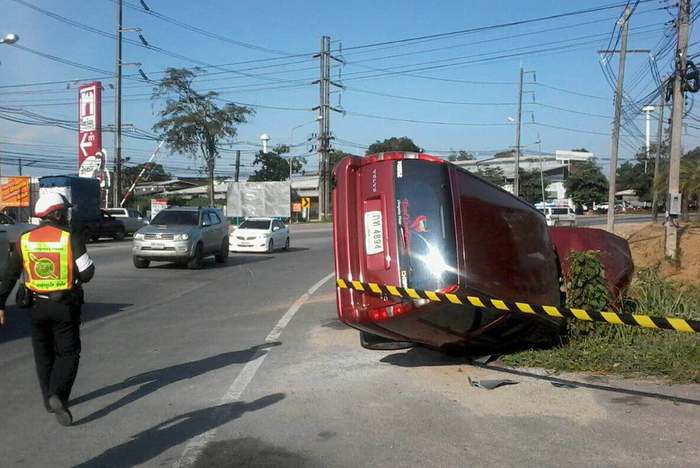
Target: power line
{"x":491,"y":27}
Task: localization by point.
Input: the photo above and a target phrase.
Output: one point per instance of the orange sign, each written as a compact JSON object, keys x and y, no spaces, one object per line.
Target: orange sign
{"x":296,"y":207}
{"x":15,"y":192}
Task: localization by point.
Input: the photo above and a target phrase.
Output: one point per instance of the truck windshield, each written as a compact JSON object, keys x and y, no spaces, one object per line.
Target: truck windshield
{"x":425,"y":223}
{"x":183,"y":218}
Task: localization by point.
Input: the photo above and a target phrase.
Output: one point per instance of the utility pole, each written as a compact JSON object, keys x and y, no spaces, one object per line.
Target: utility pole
{"x":238,"y":165}
{"x":518,"y":124}
{"x":616,"y":123}
{"x":324,"y":134}
{"x":19,"y":166}
{"x":657,"y":159}
{"x":673,"y":207}
{"x":118,"y":107}
{"x":647,"y":111}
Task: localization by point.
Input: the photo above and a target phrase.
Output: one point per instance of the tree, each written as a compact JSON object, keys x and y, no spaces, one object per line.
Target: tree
{"x":492,"y":174}
{"x":393,"y":144}
{"x":530,"y":186}
{"x":586,"y":183}
{"x":192,"y":123}
{"x":631,"y":175}
{"x":153,"y":173}
{"x":689,"y":178}
{"x":335,"y":156}
{"x":460,"y":155}
{"x":273,"y":166}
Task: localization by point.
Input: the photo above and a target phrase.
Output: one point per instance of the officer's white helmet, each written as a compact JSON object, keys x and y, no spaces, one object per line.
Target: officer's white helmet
{"x":48,"y":203}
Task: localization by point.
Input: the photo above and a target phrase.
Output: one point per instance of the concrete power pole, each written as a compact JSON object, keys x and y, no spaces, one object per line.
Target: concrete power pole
{"x":518,"y":125}
{"x":673,"y":207}
{"x":118,"y":108}
{"x":324,"y":134}
{"x":238,"y":165}
{"x":657,"y":158}
{"x":615,"y":143}
{"x":647,"y":111}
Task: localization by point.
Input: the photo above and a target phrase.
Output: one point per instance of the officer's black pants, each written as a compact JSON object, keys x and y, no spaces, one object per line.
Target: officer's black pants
{"x":56,"y":343}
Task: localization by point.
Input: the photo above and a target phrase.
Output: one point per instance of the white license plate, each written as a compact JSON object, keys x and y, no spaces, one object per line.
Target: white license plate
{"x":374,"y":236}
{"x":157,"y":245}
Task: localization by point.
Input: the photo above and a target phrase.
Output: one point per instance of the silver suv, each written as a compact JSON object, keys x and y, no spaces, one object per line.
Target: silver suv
{"x":182,"y":234}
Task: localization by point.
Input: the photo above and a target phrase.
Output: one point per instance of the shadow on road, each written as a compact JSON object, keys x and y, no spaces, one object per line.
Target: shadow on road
{"x":150,"y":443}
{"x":211,"y":264}
{"x":594,"y":386}
{"x":152,"y":381}
{"x":423,"y":357}
{"x":18,"y":321}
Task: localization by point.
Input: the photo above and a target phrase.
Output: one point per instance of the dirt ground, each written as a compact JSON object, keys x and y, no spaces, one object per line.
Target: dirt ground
{"x":647,"y":242}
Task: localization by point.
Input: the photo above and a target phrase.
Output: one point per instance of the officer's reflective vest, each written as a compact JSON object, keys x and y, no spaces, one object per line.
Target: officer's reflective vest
{"x":48,"y":259}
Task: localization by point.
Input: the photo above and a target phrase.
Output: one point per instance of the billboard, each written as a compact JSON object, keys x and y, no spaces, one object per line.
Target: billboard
{"x":90,"y":159}
{"x":246,"y":199}
{"x":15,"y":192}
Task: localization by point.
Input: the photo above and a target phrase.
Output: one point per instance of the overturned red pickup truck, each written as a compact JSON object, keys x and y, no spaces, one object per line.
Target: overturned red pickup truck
{"x":416,"y":221}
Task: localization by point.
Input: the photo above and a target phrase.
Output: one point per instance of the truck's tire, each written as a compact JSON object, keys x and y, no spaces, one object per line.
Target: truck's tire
{"x":197,"y":260}
{"x":86,"y":235}
{"x":222,"y":256}
{"x":120,"y":234}
{"x":140,"y":262}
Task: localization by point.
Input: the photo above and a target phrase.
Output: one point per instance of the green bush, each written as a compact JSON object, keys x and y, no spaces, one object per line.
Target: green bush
{"x":625,"y":350}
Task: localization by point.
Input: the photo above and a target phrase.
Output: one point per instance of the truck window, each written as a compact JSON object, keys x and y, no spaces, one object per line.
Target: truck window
{"x":425,"y":225}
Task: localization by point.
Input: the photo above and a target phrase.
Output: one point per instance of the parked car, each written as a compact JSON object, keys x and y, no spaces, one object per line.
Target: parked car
{"x":132,"y":219}
{"x":105,"y":226}
{"x":13,"y":228}
{"x":259,"y":235}
{"x":184,"y":235}
{"x":558,"y":215}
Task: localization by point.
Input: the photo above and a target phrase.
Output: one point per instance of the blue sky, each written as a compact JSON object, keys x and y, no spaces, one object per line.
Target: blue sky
{"x":477,"y":95}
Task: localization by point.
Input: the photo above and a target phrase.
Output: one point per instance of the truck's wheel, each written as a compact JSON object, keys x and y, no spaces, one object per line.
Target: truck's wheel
{"x":195,"y":263}
{"x":120,"y":235}
{"x":140,"y":262}
{"x":223,"y":253}
{"x":86,"y":236}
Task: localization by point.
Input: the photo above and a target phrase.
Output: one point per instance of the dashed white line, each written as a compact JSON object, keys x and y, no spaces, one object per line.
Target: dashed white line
{"x":195,"y":446}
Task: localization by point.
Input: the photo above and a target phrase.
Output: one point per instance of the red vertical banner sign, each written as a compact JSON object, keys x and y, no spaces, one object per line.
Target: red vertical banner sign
{"x":90,"y":159}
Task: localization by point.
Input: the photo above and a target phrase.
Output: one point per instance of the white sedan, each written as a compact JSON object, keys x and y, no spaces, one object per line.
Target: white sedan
{"x":259,"y":235}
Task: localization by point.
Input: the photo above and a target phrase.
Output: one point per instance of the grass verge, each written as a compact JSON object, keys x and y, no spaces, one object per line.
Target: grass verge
{"x":599,"y":347}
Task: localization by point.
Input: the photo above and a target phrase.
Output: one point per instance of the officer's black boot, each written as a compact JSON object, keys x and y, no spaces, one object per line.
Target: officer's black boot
{"x":63,"y":416}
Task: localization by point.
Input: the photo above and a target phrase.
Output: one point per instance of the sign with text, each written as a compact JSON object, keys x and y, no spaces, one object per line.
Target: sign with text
{"x":90,"y":158}
{"x":15,"y":192}
{"x":158,"y":205}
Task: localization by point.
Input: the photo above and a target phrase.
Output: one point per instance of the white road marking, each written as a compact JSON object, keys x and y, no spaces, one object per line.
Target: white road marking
{"x":195,"y":446}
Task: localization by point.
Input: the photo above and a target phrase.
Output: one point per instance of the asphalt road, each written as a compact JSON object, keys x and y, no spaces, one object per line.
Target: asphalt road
{"x":246,"y":365}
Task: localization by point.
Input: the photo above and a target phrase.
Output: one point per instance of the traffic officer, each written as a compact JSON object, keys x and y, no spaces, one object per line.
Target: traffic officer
{"x":54,"y":264}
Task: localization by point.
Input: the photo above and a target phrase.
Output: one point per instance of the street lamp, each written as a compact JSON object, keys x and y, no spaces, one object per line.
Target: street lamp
{"x":9,"y":38}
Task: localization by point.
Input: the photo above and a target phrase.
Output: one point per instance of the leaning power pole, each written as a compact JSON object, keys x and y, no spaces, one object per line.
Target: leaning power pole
{"x":615,"y":143}
{"x":519,"y":117}
{"x":657,"y":158}
{"x":673,"y":207}
{"x":324,"y":134}
{"x":118,"y":107}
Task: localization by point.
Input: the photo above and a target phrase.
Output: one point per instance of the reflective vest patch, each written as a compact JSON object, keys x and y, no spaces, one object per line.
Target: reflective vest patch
{"x":48,"y":259}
